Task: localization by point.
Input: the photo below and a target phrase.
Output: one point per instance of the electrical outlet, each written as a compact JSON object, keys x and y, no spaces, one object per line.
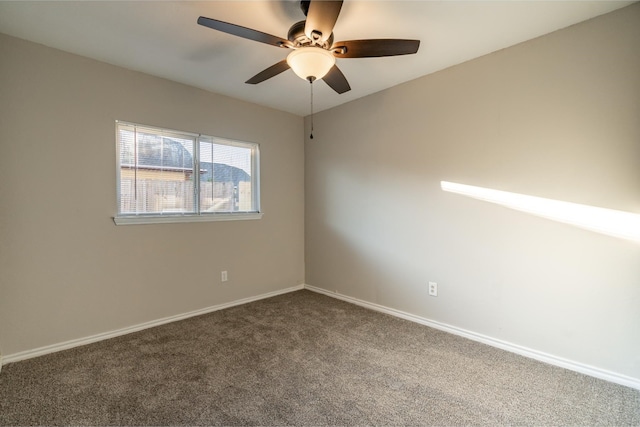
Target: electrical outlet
{"x":433,"y":289}
{"x":223,"y":276}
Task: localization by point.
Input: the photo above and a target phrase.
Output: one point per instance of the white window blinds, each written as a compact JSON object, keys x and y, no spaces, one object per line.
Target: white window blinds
{"x":173,"y":173}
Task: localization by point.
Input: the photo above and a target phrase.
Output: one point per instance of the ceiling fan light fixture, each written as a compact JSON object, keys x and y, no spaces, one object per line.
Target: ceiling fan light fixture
{"x":311,"y":62}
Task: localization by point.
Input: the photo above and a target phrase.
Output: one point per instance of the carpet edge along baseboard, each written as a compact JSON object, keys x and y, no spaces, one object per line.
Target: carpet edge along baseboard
{"x":551,"y":359}
{"x":53,"y":348}
{"x":503,"y":345}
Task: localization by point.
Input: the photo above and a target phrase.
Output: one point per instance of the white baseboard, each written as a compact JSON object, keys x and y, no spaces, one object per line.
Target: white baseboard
{"x":28,"y":354}
{"x":504,"y":345}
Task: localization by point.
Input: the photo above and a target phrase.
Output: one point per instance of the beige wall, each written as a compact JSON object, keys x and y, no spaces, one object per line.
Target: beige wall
{"x":556,"y":117}
{"x":66,"y":271}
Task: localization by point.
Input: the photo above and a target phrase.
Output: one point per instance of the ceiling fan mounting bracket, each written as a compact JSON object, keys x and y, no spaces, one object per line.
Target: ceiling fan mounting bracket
{"x":339,"y":50}
{"x":316,"y":35}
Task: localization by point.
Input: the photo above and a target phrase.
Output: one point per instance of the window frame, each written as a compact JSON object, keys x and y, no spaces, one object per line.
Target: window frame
{"x":196,"y":215}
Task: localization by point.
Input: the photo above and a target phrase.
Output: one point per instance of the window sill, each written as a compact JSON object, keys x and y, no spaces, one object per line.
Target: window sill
{"x":164,"y":219}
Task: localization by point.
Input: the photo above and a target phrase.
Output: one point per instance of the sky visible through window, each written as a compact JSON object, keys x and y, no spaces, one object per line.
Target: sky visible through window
{"x":239,"y":157}
{"x":210,"y":152}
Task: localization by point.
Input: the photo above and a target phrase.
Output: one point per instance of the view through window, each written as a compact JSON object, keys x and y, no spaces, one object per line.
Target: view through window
{"x":164,"y":172}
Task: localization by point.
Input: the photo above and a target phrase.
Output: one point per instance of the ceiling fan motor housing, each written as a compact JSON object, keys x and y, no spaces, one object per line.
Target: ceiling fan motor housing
{"x":297,"y":36}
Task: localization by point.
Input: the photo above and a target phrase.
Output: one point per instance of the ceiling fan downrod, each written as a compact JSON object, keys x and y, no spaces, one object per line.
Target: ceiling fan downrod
{"x":304,"y":6}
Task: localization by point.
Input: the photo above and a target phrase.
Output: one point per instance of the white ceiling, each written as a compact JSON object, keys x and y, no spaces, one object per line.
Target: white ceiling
{"x":163,"y":39}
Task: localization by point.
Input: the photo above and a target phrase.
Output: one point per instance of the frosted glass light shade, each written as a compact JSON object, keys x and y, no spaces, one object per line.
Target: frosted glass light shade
{"x":311,"y":62}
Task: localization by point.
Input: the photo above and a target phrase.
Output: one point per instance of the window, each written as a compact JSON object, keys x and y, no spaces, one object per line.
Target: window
{"x":172,"y":176}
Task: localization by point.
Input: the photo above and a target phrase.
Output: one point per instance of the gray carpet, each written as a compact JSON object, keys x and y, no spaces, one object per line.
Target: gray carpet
{"x":302,"y":359}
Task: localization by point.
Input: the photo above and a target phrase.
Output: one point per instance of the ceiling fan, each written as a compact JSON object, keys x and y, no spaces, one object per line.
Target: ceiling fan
{"x":313,"y":51}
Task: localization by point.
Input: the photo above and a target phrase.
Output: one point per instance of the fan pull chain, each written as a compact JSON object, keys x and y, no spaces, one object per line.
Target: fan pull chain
{"x":311,"y":84}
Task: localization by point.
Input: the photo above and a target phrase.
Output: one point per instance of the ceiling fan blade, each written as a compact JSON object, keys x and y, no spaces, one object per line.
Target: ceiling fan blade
{"x":336,"y":80}
{"x":272,"y":71}
{"x":321,"y":18}
{"x":374,"y":48}
{"x":243,"y":32}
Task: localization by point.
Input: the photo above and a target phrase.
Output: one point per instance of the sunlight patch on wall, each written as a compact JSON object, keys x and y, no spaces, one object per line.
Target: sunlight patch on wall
{"x":624,"y":225}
